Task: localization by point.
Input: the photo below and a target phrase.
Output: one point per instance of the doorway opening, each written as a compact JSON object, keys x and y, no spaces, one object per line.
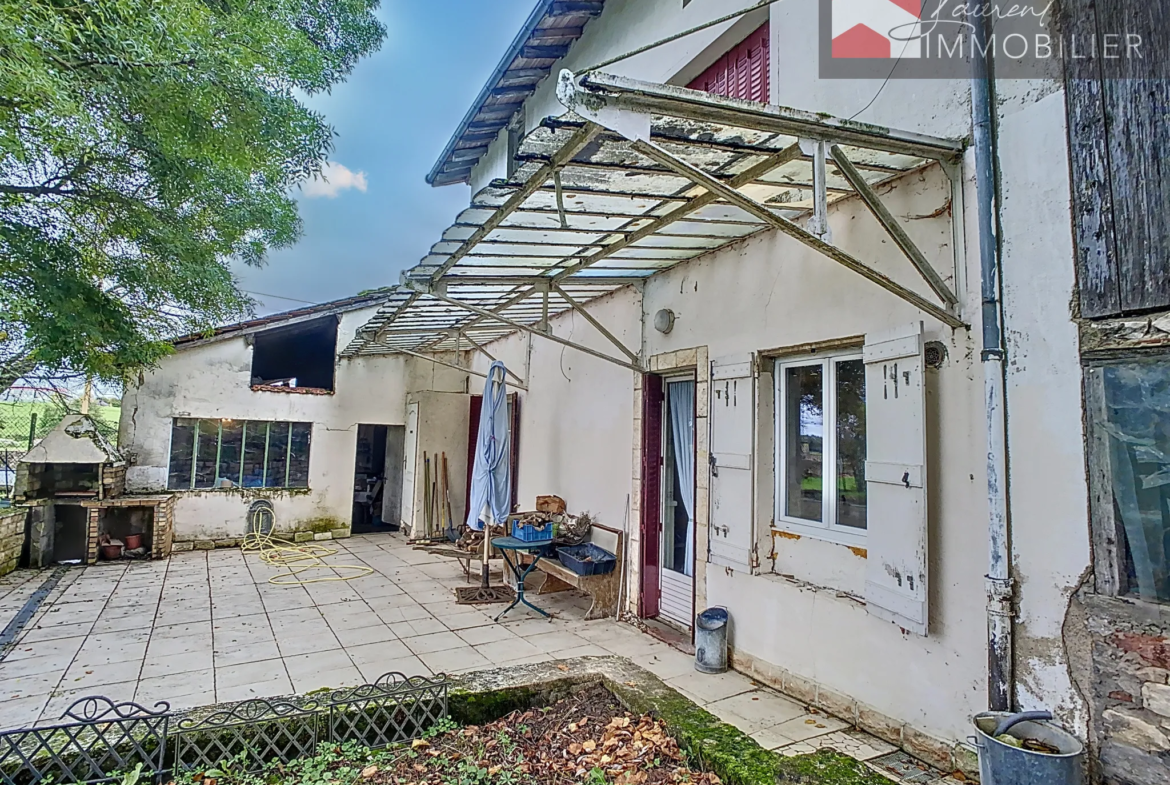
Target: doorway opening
{"x":668,"y":499}
{"x":377,"y":479}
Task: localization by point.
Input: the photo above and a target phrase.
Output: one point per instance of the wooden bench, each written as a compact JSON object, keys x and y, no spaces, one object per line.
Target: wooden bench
{"x":604,"y":589}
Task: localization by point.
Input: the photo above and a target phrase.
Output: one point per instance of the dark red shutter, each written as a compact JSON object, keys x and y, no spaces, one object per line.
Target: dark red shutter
{"x":651,"y":483}
{"x":742,"y":72}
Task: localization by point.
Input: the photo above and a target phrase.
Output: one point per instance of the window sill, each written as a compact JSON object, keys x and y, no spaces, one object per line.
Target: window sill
{"x":835,"y":536}
{"x":291,"y":390}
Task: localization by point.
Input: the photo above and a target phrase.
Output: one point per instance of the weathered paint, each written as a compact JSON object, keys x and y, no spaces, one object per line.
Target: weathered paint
{"x":768,"y":293}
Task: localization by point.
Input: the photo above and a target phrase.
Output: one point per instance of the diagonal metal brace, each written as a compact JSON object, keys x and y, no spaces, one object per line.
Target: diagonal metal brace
{"x":699,"y":177}
{"x":893,"y":228}
{"x":593,"y":321}
{"x":530,"y":329}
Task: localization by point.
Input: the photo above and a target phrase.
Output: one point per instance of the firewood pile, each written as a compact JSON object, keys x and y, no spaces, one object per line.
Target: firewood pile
{"x":471,"y":540}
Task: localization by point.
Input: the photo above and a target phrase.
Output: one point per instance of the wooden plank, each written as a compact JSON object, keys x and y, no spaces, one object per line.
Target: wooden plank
{"x":1138,"y":136}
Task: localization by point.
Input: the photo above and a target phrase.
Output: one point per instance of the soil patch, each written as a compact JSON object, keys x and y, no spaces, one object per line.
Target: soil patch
{"x":585,"y":737}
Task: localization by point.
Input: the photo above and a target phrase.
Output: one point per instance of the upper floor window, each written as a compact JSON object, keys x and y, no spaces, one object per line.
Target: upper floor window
{"x":238,"y":454}
{"x":820,"y":444}
{"x":299,"y":356}
{"x":742,"y":72}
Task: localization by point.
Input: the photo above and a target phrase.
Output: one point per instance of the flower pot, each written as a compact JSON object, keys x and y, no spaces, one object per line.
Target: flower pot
{"x":133,"y":541}
{"x":111,"y":552}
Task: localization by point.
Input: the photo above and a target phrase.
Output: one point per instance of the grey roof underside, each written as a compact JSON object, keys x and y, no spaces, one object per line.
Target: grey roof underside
{"x":611,"y":196}
{"x":551,"y":28}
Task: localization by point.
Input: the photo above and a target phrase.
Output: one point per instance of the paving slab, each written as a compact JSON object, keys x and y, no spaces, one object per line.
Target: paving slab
{"x":208,"y":627}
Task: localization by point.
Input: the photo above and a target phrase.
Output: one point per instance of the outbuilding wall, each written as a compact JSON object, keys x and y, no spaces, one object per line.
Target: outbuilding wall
{"x":213,"y":380}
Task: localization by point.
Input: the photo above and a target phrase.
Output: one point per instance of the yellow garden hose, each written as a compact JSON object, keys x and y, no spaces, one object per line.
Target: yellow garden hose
{"x":295,"y":558}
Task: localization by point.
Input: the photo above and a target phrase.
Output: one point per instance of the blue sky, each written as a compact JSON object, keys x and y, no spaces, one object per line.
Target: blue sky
{"x":392,"y":117}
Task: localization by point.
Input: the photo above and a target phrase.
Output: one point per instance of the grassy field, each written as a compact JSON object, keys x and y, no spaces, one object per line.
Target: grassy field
{"x":16,"y":417}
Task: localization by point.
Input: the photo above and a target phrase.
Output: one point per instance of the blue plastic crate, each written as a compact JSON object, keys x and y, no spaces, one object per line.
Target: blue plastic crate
{"x":533,"y":532}
{"x":587,"y":559}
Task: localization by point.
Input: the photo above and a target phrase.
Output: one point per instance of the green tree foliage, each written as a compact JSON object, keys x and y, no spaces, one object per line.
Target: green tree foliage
{"x":144,"y":145}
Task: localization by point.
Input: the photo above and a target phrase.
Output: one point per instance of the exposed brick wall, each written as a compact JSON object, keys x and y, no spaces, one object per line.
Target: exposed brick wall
{"x":1130,"y":650}
{"x":113,"y":480}
{"x":294,"y":536}
{"x":11,"y":538}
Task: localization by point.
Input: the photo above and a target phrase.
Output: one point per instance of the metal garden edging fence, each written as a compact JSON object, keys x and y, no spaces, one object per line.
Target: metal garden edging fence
{"x":98,"y":737}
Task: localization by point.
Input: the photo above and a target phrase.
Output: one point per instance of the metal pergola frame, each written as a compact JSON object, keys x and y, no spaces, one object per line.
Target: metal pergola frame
{"x":638,"y":178}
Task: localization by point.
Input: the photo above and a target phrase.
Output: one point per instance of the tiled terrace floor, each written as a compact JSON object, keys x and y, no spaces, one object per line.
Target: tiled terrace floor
{"x":207,"y":627}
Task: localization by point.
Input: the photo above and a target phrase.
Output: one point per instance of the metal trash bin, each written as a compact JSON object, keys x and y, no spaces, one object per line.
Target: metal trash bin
{"x":1001,"y":763}
{"x":711,"y":641}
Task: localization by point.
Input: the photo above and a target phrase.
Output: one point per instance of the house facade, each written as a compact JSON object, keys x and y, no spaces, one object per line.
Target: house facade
{"x":878,"y":372}
{"x":908,"y":520}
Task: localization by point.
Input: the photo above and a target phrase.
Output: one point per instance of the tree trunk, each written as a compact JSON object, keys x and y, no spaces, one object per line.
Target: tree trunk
{"x":14,"y":368}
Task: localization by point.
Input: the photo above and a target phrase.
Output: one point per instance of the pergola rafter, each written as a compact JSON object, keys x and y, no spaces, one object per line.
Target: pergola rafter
{"x":636,"y":179}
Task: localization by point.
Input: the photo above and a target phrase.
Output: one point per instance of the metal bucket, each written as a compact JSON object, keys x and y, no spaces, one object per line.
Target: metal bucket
{"x":711,"y":641}
{"x":1004,"y":764}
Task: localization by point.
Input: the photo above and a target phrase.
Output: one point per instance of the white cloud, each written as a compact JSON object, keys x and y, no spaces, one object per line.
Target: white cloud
{"x":334,"y":179}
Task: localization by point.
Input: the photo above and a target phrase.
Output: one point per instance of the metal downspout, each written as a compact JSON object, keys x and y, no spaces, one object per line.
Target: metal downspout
{"x":998,"y":580}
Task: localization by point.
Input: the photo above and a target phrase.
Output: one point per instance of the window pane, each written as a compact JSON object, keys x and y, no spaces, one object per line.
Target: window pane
{"x":277,"y":454}
{"x":1137,"y":425}
{"x":230,"y":447}
{"x":298,"y":467}
{"x":205,"y":459}
{"x":804,"y":419}
{"x":182,"y":447}
{"x":255,"y":440}
{"x":851,"y":443}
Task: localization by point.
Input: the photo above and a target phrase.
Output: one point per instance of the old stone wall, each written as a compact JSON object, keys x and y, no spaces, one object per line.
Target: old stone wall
{"x":11,"y":538}
{"x":1129,"y":688}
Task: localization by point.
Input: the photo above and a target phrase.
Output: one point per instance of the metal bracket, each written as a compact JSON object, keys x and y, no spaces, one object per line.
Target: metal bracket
{"x":699,"y":177}
{"x":818,"y":224}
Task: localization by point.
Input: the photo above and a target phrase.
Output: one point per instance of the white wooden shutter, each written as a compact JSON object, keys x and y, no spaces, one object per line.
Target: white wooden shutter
{"x":730,"y":417}
{"x":895,"y":473}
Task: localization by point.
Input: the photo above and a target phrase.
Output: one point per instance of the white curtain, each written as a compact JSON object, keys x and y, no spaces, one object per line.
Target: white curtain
{"x":682,"y":424}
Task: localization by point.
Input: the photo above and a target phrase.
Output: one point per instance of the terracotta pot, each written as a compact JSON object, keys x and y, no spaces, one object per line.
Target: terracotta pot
{"x":111,"y":552}
{"x":133,"y":541}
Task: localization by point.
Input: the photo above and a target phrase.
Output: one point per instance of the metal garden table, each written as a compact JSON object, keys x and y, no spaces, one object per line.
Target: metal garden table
{"x":518,"y":568}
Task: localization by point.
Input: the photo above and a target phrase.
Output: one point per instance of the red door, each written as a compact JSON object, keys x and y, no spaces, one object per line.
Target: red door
{"x":651,"y":488}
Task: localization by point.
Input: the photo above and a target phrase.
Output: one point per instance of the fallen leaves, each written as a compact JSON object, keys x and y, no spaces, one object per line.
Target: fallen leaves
{"x":583,"y":737}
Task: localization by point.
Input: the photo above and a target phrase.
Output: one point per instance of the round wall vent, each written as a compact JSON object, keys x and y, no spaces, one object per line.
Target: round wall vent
{"x":934,"y":354}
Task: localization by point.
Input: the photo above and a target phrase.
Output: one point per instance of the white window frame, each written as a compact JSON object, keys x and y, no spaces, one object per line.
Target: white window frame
{"x":827,"y":528}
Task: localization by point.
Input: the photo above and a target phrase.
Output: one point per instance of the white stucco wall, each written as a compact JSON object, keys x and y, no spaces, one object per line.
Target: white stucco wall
{"x":212,"y":380}
{"x":576,"y":418}
{"x":770,"y":292}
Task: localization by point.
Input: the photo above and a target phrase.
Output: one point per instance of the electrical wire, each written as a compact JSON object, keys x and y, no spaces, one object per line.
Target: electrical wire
{"x":294,"y":558}
{"x":676,"y":36}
